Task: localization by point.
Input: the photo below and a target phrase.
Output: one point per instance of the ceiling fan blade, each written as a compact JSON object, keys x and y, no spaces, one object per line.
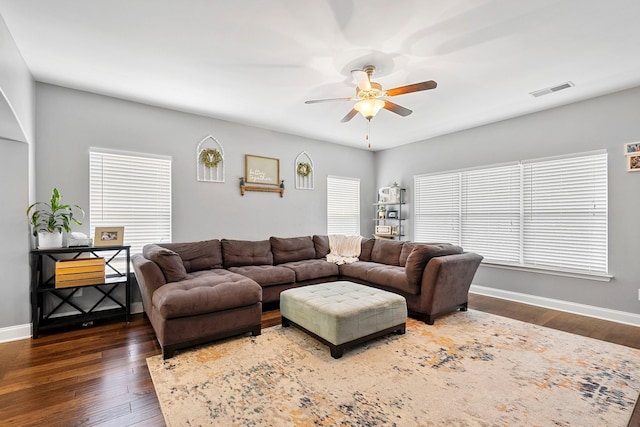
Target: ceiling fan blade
{"x":350,"y":115}
{"x":416,"y":87}
{"x":395,"y":108}
{"x":315,"y":101}
{"x":361,"y":78}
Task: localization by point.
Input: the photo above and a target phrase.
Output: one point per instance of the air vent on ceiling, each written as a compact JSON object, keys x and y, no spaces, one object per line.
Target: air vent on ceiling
{"x":552,"y":89}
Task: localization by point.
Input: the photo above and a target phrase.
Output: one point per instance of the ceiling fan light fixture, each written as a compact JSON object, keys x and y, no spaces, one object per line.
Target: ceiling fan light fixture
{"x":369,"y":107}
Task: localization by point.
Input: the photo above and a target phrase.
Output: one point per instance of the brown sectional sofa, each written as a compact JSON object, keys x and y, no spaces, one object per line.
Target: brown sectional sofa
{"x":203,"y":291}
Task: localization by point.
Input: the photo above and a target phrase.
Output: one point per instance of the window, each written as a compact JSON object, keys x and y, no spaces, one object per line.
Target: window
{"x":549,"y":213}
{"x":131,"y":190}
{"x":565,"y":213}
{"x":343,"y":205}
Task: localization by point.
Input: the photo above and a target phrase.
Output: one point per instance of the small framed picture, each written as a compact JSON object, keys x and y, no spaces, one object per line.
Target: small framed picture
{"x":633,"y":163}
{"x":632,"y":148}
{"x":108,"y":236}
{"x":392,"y":214}
{"x":383,"y":230}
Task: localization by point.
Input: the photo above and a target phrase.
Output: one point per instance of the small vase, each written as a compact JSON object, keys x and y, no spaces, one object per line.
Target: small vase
{"x":48,"y":240}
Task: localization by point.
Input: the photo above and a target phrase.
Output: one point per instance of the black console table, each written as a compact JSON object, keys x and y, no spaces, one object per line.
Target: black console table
{"x":50,"y":305}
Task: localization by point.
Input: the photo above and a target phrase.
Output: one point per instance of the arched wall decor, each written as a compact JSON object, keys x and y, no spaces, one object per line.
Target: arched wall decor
{"x":304,"y":171}
{"x":209,"y":160}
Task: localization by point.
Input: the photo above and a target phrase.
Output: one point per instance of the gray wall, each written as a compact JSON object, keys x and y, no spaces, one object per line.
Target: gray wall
{"x":70,"y":121}
{"x":16,"y":124}
{"x":607,"y":122}
{"x":14,"y":245}
{"x":16,"y":91}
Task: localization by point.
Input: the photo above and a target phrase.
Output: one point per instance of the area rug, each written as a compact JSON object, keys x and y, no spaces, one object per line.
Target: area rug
{"x":469,"y":369}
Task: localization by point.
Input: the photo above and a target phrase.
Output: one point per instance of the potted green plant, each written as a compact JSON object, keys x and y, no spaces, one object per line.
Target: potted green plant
{"x":48,"y":220}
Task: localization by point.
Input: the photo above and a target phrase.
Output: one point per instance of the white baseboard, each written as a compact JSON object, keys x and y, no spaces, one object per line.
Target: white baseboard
{"x":15,"y":333}
{"x":624,"y":317}
{"x":21,"y":332}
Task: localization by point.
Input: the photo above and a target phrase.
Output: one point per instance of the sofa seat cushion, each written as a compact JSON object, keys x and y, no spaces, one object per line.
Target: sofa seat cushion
{"x":206,"y":292}
{"x":238,"y":253}
{"x":312,"y":269}
{"x":290,"y":249}
{"x":391,"y":277}
{"x":266,"y":275}
{"x":357,"y":270}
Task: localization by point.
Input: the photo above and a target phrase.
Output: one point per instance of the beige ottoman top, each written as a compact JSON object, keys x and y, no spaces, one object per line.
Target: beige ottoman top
{"x":343,"y":311}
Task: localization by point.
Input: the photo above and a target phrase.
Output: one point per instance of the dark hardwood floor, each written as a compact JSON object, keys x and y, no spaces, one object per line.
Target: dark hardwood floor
{"x":98,"y":376}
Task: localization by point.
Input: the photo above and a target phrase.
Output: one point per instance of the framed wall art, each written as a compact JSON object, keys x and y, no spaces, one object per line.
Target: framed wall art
{"x":209,"y":160}
{"x":304,"y":171}
{"x":633,"y":162}
{"x":632,"y":148}
{"x":261,"y":170}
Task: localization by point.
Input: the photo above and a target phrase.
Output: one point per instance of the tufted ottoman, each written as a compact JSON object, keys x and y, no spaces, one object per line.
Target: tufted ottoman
{"x":343,"y":314}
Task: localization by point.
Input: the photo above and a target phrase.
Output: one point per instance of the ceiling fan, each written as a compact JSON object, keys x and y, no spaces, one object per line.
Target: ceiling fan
{"x":368,"y":95}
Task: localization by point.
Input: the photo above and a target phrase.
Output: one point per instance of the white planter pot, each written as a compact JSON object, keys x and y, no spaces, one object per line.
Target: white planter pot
{"x":48,"y":240}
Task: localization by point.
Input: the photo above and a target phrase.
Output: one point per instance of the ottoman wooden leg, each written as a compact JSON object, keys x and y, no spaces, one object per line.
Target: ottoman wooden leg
{"x":285,"y":322}
{"x":336,"y":351}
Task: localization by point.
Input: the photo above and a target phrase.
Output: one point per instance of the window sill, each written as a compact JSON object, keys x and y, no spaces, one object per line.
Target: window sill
{"x":600,"y":277}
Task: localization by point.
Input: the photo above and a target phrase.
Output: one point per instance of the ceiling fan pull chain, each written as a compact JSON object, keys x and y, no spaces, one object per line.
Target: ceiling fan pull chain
{"x":368,"y":132}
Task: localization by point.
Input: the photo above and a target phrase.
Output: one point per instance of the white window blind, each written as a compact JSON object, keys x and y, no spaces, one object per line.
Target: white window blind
{"x":565,"y":213}
{"x":343,"y":205}
{"x":437,"y":208}
{"x":131,"y":190}
{"x":549,"y":213}
{"x":490,"y":213}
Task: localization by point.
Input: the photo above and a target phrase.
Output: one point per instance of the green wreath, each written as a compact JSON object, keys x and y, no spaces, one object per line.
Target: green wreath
{"x":304,"y":169}
{"x":210,"y":157}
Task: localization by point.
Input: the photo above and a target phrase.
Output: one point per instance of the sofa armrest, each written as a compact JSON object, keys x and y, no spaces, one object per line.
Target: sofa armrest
{"x":420,"y":256}
{"x":149,"y":277}
{"x":446,"y":280}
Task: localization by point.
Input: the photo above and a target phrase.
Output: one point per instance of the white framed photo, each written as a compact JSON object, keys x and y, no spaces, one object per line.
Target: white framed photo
{"x":632,"y":148}
{"x":633,"y":163}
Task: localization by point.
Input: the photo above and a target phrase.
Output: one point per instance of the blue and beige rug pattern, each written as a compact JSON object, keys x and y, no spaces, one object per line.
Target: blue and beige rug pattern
{"x":469,"y":369}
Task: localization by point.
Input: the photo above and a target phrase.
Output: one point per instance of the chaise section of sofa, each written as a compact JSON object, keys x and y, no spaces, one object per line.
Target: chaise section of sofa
{"x":201,"y":291}
{"x":190,"y":299}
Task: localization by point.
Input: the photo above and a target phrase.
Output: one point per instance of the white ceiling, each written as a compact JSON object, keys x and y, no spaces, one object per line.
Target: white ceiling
{"x":256,"y":61}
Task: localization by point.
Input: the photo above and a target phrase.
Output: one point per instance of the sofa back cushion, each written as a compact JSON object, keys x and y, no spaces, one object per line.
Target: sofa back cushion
{"x":197,"y":256}
{"x":366,"y":246}
{"x":321,"y":244}
{"x":238,"y":253}
{"x":407,"y":247}
{"x":421,"y":255}
{"x":386,"y":251}
{"x":169,"y":262}
{"x":289,"y":249}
